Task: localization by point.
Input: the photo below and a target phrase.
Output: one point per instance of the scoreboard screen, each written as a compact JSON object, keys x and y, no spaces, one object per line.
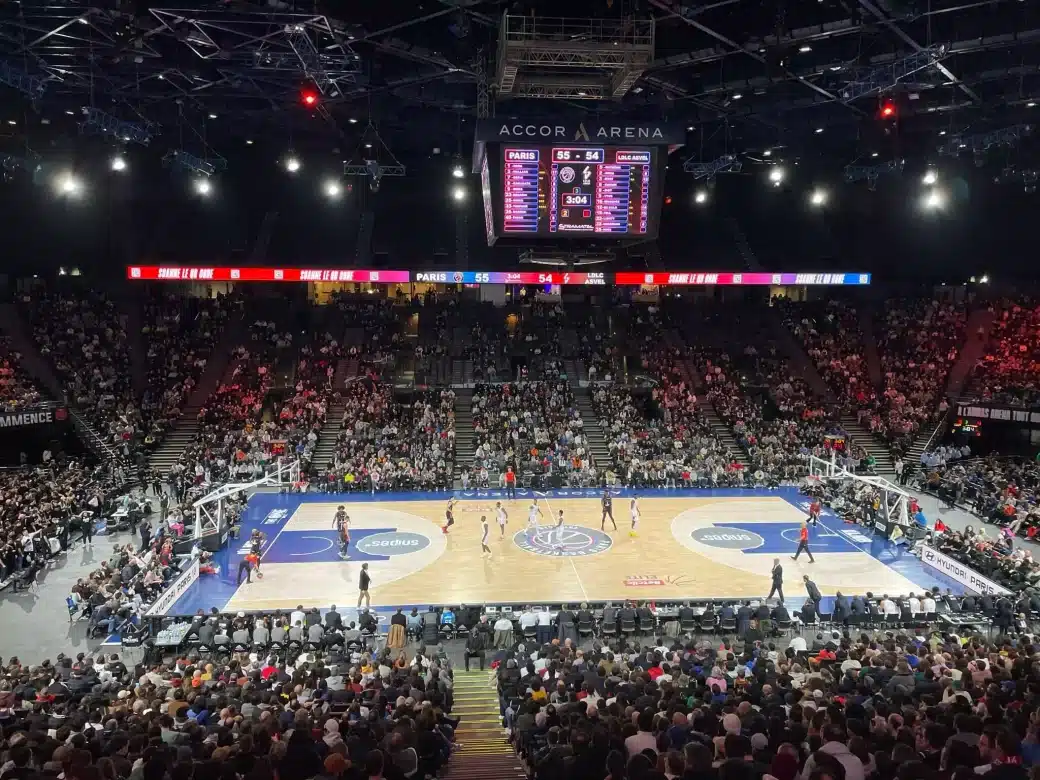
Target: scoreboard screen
{"x":554,"y":191}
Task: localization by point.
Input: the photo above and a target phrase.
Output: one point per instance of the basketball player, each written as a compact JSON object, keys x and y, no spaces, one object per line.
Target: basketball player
{"x":485,"y":529}
{"x":502,"y":517}
{"x":608,"y":511}
{"x":344,"y":538}
{"x":633,"y":509}
{"x":256,"y":544}
{"x":449,"y":515}
{"x":557,"y":547}
{"x":340,"y":518}
{"x":814,"y":512}
{"x":533,"y":516}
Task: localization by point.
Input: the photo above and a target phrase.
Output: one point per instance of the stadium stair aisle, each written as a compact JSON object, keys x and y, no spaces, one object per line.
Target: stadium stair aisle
{"x":867,"y":314}
{"x":464,"y":449}
{"x":484,"y":753}
{"x":593,"y":431}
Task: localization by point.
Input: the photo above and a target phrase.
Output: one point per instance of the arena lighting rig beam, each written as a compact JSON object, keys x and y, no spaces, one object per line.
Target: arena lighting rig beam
{"x":186,"y":161}
{"x":669,"y":7}
{"x":871,"y":173}
{"x":898,"y":31}
{"x":100,"y":122}
{"x":18,"y":79}
{"x":727,"y":163}
{"x":983,"y":142}
{"x":886,"y":76}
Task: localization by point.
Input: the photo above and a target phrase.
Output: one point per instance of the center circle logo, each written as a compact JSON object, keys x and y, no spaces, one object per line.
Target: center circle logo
{"x":728,"y":538}
{"x":392,"y":543}
{"x":569,"y":541}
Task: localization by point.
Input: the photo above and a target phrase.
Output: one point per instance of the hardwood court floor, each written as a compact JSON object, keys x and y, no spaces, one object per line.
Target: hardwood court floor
{"x":663,"y":561}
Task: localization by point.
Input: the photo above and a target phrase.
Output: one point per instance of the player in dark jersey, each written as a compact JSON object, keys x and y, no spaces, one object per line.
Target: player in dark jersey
{"x":449,"y":515}
{"x":340,"y":518}
{"x":608,"y":511}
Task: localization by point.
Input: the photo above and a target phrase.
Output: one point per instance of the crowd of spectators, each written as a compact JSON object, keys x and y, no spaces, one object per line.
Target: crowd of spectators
{"x":50,"y":502}
{"x":179,"y":336}
{"x":336,"y":716}
{"x":300,"y":414}
{"x":1002,"y":491}
{"x":386,"y":444}
{"x":848,"y":704}
{"x":778,"y":437}
{"x":918,"y":344}
{"x":1009,"y":371}
{"x":232,"y":441}
{"x":533,"y":427}
{"x":661,"y":439}
{"x":17,"y":390}
{"x":832,"y":338}
{"x":84,"y":337}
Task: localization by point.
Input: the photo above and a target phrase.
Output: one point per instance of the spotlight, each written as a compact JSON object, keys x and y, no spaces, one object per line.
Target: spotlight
{"x":931,"y":176}
{"x":776,"y":175}
{"x":818,"y":197}
{"x":819,"y":130}
{"x":118,"y":163}
{"x":459,"y":193}
{"x":805,"y":49}
{"x":933,"y":200}
{"x":309,"y":98}
{"x":887,"y":110}
{"x":767,"y":153}
{"x":458,"y":172}
{"x":203,"y":187}
{"x":292,"y":164}
{"x":984,"y":279}
{"x":333,"y":188}
{"x":68,"y":184}
{"x":700,"y":197}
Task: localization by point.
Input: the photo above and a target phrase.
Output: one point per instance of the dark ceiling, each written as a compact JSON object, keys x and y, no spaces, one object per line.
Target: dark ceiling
{"x":740,"y":73}
{"x":804,"y":79}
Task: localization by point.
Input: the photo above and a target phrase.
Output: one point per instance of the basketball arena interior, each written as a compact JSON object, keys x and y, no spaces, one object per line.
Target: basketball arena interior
{"x":634,"y":389}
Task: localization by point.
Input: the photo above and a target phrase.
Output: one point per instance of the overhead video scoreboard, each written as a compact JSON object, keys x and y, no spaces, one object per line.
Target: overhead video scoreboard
{"x":559,"y":191}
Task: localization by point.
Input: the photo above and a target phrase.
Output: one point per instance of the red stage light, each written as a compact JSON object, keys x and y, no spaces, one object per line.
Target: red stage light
{"x":309,"y":98}
{"x":888,"y":110}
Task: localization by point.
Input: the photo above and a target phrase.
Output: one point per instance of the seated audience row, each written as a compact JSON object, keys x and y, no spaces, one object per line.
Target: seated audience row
{"x":1009,"y":371}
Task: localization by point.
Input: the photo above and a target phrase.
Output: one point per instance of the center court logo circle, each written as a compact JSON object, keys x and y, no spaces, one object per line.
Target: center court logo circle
{"x":569,"y":541}
{"x":393,"y":543}
{"x":728,"y":538}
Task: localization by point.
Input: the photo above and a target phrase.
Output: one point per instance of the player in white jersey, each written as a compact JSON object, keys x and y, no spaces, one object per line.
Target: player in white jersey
{"x":557,"y":533}
{"x":633,"y":508}
{"x":502,"y":517}
{"x":533,"y":516}
{"x":485,"y":529}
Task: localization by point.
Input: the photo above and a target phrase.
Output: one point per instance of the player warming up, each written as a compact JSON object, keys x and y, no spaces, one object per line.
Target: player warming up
{"x":608,"y":511}
{"x":485,"y":529}
{"x":814,"y":512}
{"x":633,"y":508}
{"x":534,"y":514}
{"x":341,"y":523}
{"x":502,"y":517}
{"x":449,"y":515}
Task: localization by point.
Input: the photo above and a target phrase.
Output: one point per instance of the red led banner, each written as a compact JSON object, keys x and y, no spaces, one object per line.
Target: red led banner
{"x":165,"y":273}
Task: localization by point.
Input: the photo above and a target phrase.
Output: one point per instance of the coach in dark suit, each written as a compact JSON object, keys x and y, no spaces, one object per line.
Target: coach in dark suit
{"x":841,"y":608}
{"x":778,"y":581}
{"x":744,"y":615}
{"x":812,"y":590}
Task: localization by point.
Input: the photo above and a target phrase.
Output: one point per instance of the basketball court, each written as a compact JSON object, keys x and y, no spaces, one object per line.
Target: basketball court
{"x":690,"y":544}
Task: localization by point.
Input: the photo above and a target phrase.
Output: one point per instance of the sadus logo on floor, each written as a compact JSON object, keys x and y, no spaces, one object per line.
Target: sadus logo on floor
{"x":728,"y":538}
{"x":392,"y":543}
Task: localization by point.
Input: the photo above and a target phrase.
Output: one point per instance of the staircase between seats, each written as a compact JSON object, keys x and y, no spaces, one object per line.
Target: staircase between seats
{"x":483,"y":752}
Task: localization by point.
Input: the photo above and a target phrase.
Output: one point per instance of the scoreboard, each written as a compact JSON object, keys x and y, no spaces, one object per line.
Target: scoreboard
{"x":558,"y":191}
